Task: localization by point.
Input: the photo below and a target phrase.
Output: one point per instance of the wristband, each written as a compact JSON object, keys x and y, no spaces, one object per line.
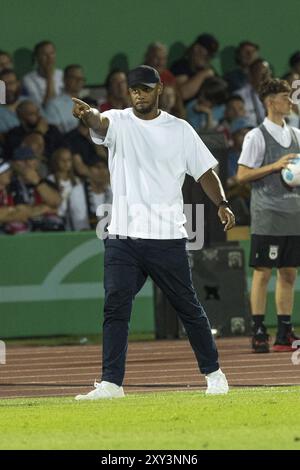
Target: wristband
{"x":224,"y":203}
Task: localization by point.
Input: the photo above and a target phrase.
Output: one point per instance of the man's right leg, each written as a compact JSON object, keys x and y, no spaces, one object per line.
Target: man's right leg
{"x":258,"y":299}
{"x":123,"y":278}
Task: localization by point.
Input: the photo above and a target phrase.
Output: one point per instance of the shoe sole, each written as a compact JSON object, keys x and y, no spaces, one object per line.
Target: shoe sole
{"x":262,"y":350}
{"x":282,"y":348}
{"x":79,"y":398}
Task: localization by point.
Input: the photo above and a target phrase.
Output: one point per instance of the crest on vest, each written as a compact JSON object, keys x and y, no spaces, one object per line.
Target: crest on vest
{"x":273,"y":251}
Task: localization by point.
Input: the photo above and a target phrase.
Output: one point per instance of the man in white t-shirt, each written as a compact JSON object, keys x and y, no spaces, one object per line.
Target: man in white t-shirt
{"x":150,"y":152}
{"x":46,"y":81}
{"x":275,"y":215}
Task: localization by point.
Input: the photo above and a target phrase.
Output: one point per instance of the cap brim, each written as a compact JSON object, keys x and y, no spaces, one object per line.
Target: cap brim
{"x":23,"y":159}
{"x":150,"y":85}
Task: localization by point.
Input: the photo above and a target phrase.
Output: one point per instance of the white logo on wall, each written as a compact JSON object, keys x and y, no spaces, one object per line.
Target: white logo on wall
{"x":235,"y":259}
{"x":273,"y":253}
{"x":2,"y":92}
{"x":2,"y":353}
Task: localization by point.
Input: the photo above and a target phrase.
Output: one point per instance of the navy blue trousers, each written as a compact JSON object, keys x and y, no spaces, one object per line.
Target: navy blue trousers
{"x":127,"y":263}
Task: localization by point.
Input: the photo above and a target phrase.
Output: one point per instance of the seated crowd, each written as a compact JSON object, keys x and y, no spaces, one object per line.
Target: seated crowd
{"x":52,"y":176}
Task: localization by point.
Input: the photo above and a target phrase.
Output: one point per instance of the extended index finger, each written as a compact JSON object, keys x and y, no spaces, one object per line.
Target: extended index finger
{"x":81,"y":103}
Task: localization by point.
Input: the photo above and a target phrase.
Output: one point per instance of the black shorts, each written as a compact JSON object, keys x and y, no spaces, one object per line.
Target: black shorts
{"x":274,"y":251}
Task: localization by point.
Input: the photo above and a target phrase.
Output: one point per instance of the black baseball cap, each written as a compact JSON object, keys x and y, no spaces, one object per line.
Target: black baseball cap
{"x":23,"y":153}
{"x":143,"y":75}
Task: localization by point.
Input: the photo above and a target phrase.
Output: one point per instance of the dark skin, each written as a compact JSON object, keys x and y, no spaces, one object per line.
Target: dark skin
{"x":145,"y":106}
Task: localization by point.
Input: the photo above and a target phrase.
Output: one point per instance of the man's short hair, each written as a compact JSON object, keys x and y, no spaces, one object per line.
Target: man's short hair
{"x":110,"y":75}
{"x":4,"y":53}
{"x":38,"y":46}
{"x":273,"y":87}
{"x":70,"y":67}
{"x":6,"y":72}
{"x":255,"y":63}
{"x":23,"y":105}
{"x":241,"y":46}
{"x":235,"y":98}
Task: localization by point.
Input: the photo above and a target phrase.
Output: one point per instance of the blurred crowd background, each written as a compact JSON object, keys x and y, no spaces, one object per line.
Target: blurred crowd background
{"x":53,"y":178}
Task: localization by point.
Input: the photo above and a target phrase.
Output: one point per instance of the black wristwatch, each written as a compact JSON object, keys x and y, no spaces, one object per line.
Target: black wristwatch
{"x":224,"y":203}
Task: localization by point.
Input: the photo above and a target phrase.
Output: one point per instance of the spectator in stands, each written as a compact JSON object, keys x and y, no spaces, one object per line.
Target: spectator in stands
{"x":295,"y":62}
{"x":117,"y":91}
{"x":28,"y":187}
{"x":64,"y":178}
{"x":157,"y":56}
{"x":207,"y":111}
{"x":293,"y":119}
{"x":234,"y":108}
{"x":86,"y":197}
{"x":6,"y":62}
{"x":58,"y":110}
{"x":194,"y":68}
{"x":8,"y":115}
{"x":239,"y":128}
{"x":46,"y":81}
{"x":13,"y":218}
{"x":32,"y":121}
{"x":37,"y":144}
{"x":246,"y":54}
{"x":83,"y":149}
{"x":259,"y":72}
{"x":171,"y":101}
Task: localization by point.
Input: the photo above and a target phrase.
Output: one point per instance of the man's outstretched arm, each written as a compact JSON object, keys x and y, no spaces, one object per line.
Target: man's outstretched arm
{"x":91,"y":117}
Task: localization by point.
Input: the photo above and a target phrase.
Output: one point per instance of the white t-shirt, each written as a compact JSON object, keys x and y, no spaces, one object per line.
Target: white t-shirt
{"x":35,"y":85}
{"x":148,"y":160}
{"x":254,"y":146}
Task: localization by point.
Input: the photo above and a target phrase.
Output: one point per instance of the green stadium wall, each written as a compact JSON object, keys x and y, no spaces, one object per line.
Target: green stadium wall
{"x":103,"y":34}
{"x":52,"y":284}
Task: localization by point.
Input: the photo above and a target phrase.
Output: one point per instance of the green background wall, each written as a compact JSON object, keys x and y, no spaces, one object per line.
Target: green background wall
{"x":52,"y":284}
{"x":99,"y":33}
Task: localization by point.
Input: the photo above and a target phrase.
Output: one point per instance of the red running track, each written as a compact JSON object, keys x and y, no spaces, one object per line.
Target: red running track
{"x":152,"y":366}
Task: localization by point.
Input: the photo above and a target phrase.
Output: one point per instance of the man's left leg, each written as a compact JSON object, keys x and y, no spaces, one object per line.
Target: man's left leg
{"x":284,"y":296}
{"x":167,"y":264}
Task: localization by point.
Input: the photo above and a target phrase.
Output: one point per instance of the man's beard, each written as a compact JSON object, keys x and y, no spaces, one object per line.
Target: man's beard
{"x":146,"y":110}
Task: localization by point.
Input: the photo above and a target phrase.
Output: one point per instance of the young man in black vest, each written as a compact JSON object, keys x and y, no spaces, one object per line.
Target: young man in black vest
{"x":275,"y":214}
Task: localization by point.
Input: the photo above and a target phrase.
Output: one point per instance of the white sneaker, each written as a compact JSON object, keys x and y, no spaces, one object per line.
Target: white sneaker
{"x":103,"y":390}
{"x":216,"y":383}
